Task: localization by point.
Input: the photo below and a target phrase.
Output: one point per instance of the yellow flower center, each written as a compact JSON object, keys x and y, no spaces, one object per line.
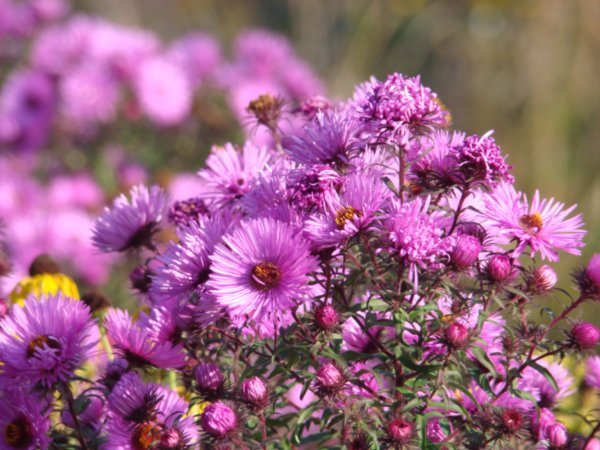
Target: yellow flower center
{"x":344,"y":214}
{"x":266,"y":275}
{"x":532,"y":222}
{"x":146,"y":435}
{"x":18,"y":433}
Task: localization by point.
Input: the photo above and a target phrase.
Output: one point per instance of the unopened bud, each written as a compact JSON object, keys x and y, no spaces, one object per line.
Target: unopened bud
{"x":326,"y":317}
{"x":330,"y":379}
{"x":585,"y":335}
{"x":219,"y":420}
{"x":542,"y":279}
{"x":557,"y":435}
{"x":466,"y":251}
{"x":457,"y":335}
{"x":499,"y":268}
{"x":254,"y":392}
{"x":209,"y":378}
{"x":400,"y":431}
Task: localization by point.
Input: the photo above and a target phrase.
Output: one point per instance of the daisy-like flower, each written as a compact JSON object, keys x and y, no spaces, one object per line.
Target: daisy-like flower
{"x":260,"y":270}
{"x":415,"y":236}
{"x":544,"y":225}
{"x":22,"y":424}
{"x":348,"y":213}
{"x":138,"y":345}
{"x":327,"y":139}
{"x":46,"y":340}
{"x":146,"y":416}
{"x":230,"y":172}
{"x":131,"y":223}
{"x":536,"y":383}
{"x":398,"y":105}
{"x":186,"y":264}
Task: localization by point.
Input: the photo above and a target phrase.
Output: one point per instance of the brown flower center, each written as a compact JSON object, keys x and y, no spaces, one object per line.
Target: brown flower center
{"x":531,"y":222}
{"x":146,"y":436}
{"x":18,"y":433}
{"x":266,"y":275}
{"x":39,"y":342}
{"x":344,"y":214}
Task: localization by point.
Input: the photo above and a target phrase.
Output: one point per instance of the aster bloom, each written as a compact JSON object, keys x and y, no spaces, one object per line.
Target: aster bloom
{"x":346,"y":214}
{"x":543,"y":225}
{"x":230,"y":172}
{"x":260,"y":270}
{"x":22,"y":423}
{"x":138,"y":345}
{"x":415,"y":236}
{"x":163,"y":91}
{"x":130,"y":223}
{"x":399,"y":105}
{"x":536,"y":383}
{"x":145,"y":416}
{"x":45,"y":341}
{"x":328,"y":139}
{"x":480,"y":160}
{"x":434,"y":167}
{"x":185,"y":265}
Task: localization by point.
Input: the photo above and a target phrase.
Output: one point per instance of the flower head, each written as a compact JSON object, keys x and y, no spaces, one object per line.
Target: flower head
{"x":22,"y":424}
{"x":46,"y":340}
{"x":260,"y":270}
{"x":130,"y":223}
{"x":139,"y":345}
{"x":543,"y":225}
{"x":219,"y":420}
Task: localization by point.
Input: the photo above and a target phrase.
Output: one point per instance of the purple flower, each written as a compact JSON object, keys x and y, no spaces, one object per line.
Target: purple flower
{"x":260,"y":270}
{"x":466,"y":251}
{"x":198,"y":54}
{"x":330,"y":379}
{"x":479,"y":159}
{"x":536,"y":383}
{"x":415,"y":236}
{"x":219,"y":420}
{"x":542,"y":279}
{"x":400,"y":431}
{"x":22,"y":424}
{"x":142,"y":415}
{"x":348,"y":213}
{"x":254,"y":392}
{"x":230,"y":172}
{"x":585,"y":335}
{"x":209,"y":378}
{"x":44,"y":342}
{"x":328,"y":139}
{"x":326,"y":317}
{"x":163,"y":91}
{"x":26,"y":110}
{"x":592,"y":372}
{"x":544,"y":225}
{"x":400,"y":105}
{"x":186,"y":264}
{"x":130,"y":223}
{"x":588,"y":279}
{"x":138,"y":345}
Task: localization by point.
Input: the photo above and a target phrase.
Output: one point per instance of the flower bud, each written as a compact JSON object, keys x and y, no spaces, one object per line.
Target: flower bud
{"x":326,"y":317}
{"x":457,"y":335}
{"x":499,"y":268}
{"x":585,"y":335}
{"x":466,"y":251}
{"x":594,"y":444}
{"x":254,"y":392}
{"x":542,"y":279}
{"x":512,"y":420}
{"x":219,"y":420}
{"x":557,"y":435}
{"x":330,"y":379}
{"x":400,"y":431}
{"x":171,"y":439}
{"x":209,"y":378}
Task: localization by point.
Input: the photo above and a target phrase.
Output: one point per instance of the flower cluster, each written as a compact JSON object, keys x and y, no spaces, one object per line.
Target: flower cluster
{"x":364,"y":278}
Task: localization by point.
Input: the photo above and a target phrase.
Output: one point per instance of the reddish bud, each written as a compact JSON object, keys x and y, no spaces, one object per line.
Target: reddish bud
{"x":542,"y":279}
{"x":209,"y":378}
{"x":557,"y":435}
{"x":400,"y":431}
{"x":330,"y":379}
{"x":326,"y":317}
{"x":585,"y":335}
{"x":499,"y":268}
{"x":466,"y":251}
{"x":457,"y":335}
{"x":254,"y":392}
{"x":219,"y":420}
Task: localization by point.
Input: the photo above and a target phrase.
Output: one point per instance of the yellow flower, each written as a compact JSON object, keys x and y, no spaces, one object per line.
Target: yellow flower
{"x":43,"y":284}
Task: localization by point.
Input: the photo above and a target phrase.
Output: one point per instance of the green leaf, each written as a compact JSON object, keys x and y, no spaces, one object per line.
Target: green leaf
{"x":483,"y":359}
{"x":546,"y":373}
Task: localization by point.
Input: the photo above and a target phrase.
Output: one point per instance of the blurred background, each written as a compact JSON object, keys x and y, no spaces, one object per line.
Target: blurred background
{"x":528,"y":70}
